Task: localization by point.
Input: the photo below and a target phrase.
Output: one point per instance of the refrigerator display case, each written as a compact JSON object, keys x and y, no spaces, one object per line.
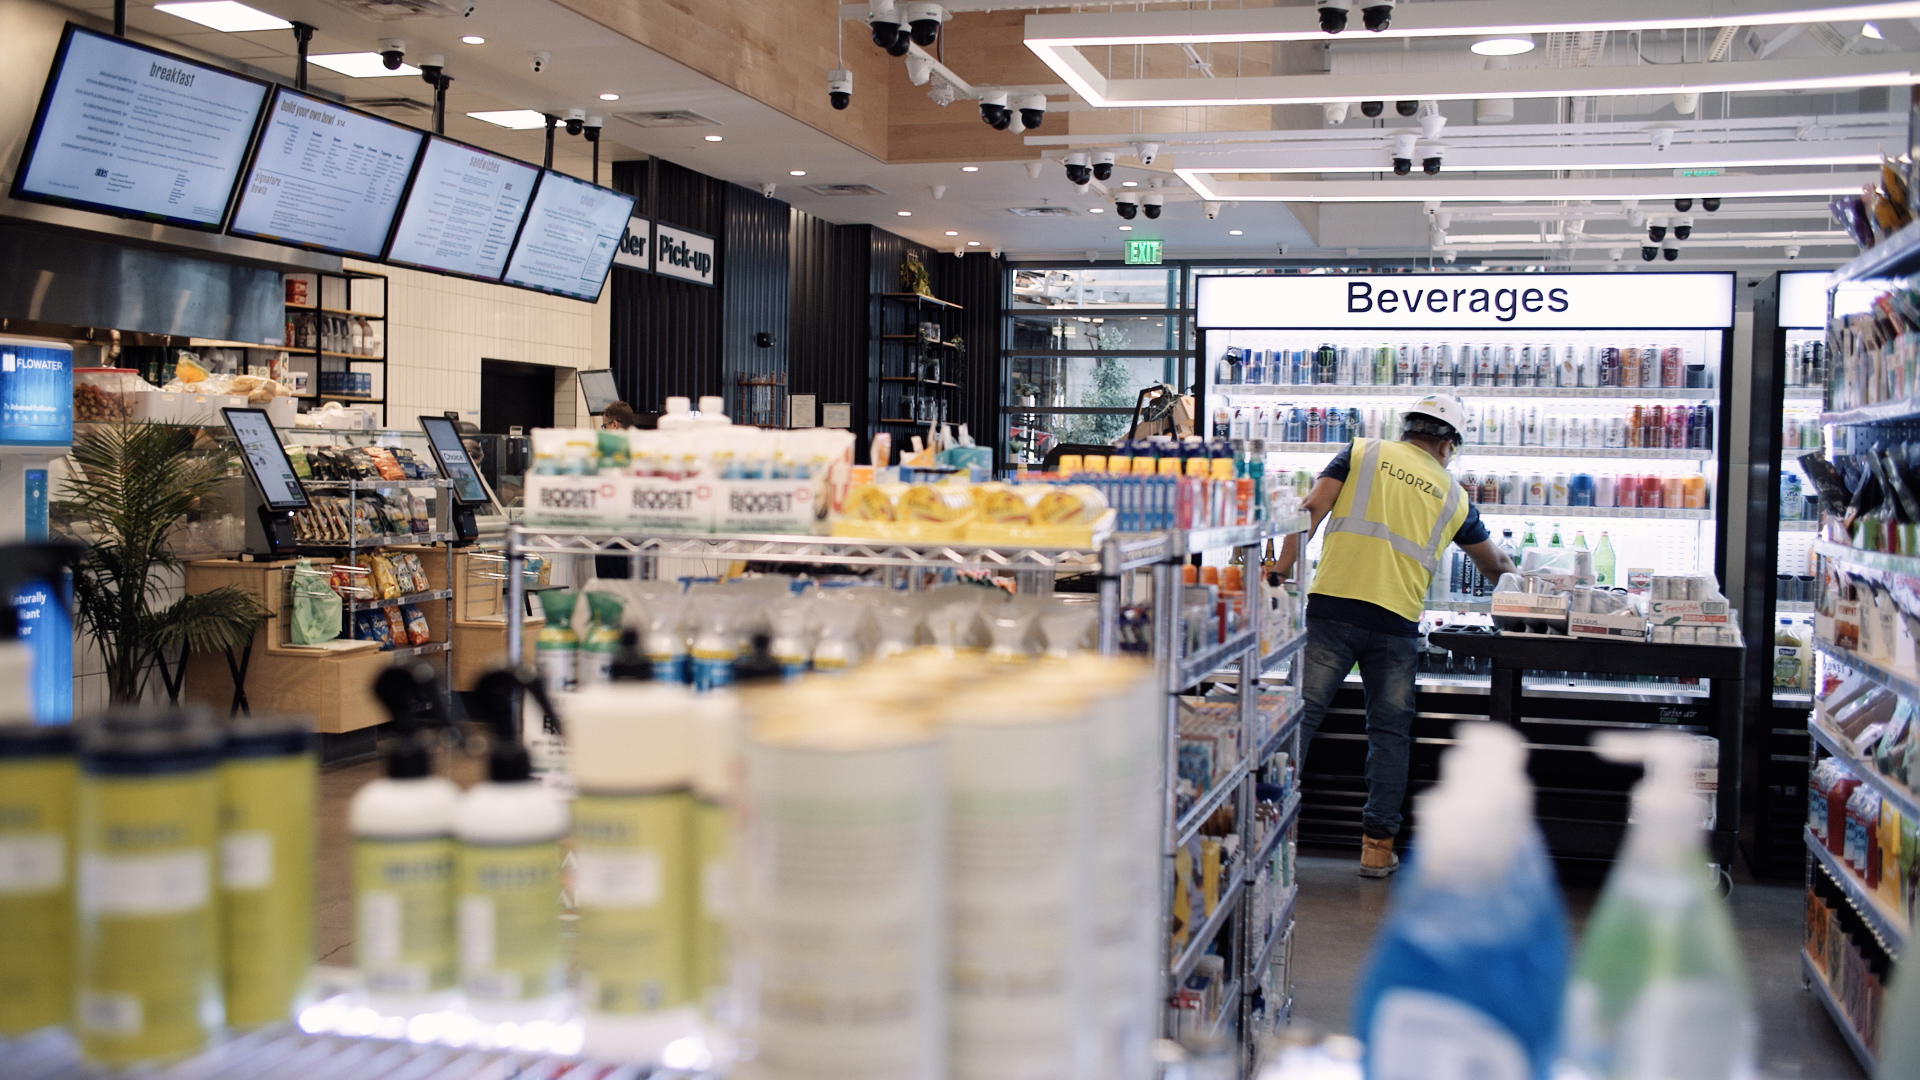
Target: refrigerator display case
{"x":1572,"y":440}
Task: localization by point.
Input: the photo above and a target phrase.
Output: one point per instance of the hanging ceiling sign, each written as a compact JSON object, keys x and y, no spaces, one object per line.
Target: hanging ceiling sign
{"x":1467,"y":301}
{"x":636,"y":245}
{"x":684,"y":254}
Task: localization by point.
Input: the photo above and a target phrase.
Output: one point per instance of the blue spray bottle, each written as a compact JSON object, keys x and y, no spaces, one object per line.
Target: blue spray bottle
{"x":1465,"y":979}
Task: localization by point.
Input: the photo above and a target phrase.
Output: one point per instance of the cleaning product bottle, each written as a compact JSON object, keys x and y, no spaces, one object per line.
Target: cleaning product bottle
{"x":402,"y":829}
{"x":557,"y":647}
{"x":1603,"y":563}
{"x":269,"y":780}
{"x":1464,"y":981}
{"x":1658,"y":989}
{"x":631,"y":746}
{"x":507,"y":870}
{"x":597,"y":649}
{"x":148,"y":973}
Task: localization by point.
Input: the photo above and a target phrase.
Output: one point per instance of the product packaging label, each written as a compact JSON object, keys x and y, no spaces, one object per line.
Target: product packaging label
{"x":403,"y":906}
{"x":267,"y":807}
{"x":676,"y":506}
{"x":1421,"y":1036}
{"x":509,"y":925}
{"x":633,"y":883}
{"x":36,"y":893}
{"x":149,"y":978}
{"x":770,"y":506}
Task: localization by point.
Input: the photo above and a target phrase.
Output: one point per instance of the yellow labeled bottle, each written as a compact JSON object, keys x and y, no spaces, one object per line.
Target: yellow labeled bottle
{"x":402,"y":827}
{"x":267,"y":795}
{"x":37,"y":781}
{"x":148,"y":972}
{"x":507,"y":833}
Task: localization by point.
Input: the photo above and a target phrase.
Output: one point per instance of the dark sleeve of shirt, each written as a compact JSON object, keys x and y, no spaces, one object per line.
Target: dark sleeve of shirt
{"x":1340,"y":466}
{"x":1472,"y":530}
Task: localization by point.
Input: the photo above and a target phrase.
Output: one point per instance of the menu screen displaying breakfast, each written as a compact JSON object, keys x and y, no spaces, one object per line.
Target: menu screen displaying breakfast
{"x":128,"y":130}
{"x":325,"y":176}
{"x":569,"y":240}
{"x":463,"y":211}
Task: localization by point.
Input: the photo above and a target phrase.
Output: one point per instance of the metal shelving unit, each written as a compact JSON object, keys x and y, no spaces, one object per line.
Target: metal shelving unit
{"x":1160,"y":554}
{"x":1817,"y":983}
{"x":1882,"y":920}
{"x":441,"y":536}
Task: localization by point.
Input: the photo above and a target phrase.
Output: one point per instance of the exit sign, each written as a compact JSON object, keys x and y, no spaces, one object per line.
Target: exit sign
{"x":1143,"y":253}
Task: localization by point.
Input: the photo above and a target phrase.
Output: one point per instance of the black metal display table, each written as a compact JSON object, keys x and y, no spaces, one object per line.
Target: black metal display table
{"x":1724,"y":666}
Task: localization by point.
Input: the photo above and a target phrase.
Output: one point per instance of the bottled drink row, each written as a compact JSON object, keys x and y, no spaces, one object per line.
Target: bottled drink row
{"x":1464,"y":578}
{"x":1446,"y":364}
{"x":1806,"y":363}
{"x":1673,"y":427}
{"x":1628,"y":490}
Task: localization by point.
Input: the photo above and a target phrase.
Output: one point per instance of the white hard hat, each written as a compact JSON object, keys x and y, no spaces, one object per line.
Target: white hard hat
{"x":1442,"y":407}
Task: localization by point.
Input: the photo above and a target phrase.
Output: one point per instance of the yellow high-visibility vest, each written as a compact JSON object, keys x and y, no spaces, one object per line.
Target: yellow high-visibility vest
{"x":1396,"y":513}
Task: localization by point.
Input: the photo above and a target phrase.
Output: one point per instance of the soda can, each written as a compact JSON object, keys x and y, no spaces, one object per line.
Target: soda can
{"x":1511,"y":489}
{"x":1650,"y":365}
{"x":1603,"y":489}
{"x":1557,"y":493}
{"x":1536,"y":490}
{"x":1580,"y":490}
{"x":1609,"y":367}
{"x":1470,"y":484}
{"x":1489,"y":489}
{"x":1616,"y":436}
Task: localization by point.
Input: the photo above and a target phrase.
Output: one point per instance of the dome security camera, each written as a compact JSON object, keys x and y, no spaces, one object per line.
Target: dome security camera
{"x":766,"y":190}
{"x":943,"y":93}
{"x":1333,"y":16}
{"x":1710,"y":205}
{"x":539,"y":61}
{"x":1657,"y":229}
{"x":1126,"y":205}
{"x":1661,"y":138}
{"x":1613,"y":254}
{"x":840,"y":88}
{"x":1636,"y":218}
{"x":1078,"y":172}
{"x":1683,"y":228}
{"x":1211,"y":209}
{"x":919,"y":70}
{"x":923,"y":21}
{"x":431,"y":67}
{"x":393,"y":53}
{"x":1793,"y":251}
{"x":1403,"y":154}
{"x":884,"y":23}
{"x":993,"y":110}
{"x":592,"y":128}
{"x":1377,"y":15}
{"x":1334,"y":113}
{"x":1372,"y":109}
{"x":1150,"y":205}
{"x":1103,"y":165}
{"x":1033,"y":110}
{"x":1648,"y":252}
{"x":1670,"y":251}
{"x":1146,"y":152}
{"x":1406,"y":108}
{"x":1430,"y":159}
{"x":1683,"y":205}
{"x":1449,"y":255}
{"x":576,"y":121}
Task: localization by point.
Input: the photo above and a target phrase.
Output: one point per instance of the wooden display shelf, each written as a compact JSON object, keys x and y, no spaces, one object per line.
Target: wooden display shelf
{"x":480,"y":621}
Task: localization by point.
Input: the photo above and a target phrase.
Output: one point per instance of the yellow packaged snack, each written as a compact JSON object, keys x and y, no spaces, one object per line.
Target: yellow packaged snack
{"x":1072,"y":505}
{"x":870,"y":502}
{"x":385,"y":582}
{"x":935,"y":502}
{"x":1010,"y":504}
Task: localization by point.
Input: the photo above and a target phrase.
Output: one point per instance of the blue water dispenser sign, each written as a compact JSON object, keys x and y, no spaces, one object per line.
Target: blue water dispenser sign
{"x":36,"y":393}
{"x":35,"y":498}
{"x":47,"y":629}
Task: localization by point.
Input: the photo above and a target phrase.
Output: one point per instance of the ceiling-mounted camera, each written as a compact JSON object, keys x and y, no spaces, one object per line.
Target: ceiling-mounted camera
{"x":1372,"y":109}
{"x":883,"y":22}
{"x":1150,"y":205}
{"x":1333,"y":16}
{"x":1648,"y":252}
{"x":539,"y":61}
{"x":576,"y":121}
{"x":592,"y":128}
{"x":1656,"y":229}
{"x":923,"y":21}
{"x":1793,"y":251}
{"x":1430,"y":156}
{"x":1403,"y":153}
{"x":1334,"y":113}
{"x":919,"y":69}
{"x":1670,"y":251}
{"x":1377,"y":15}
{"x":840,"y":87}
{"x":1103,"y":165}
{"x":1033,"y":110}
{"x":1078,"y":172}
{"x":1683,"y":205}
{"x":1683,"y":228}
{"x":393,"y":53}
{"x":1406,"y":108}
{"x":1710,"y":205}
{"x":1146,"y":152}
{"x":432,"y":66}
{"x":1126,"y":205}
{"x":993,"y":109}
{"x":1211,"y":209}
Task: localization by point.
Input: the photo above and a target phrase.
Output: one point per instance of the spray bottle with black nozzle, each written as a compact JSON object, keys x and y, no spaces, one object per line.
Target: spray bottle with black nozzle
{"x":507,"y":867}
{"x":403,"y":853}
{"x":37,"y":783}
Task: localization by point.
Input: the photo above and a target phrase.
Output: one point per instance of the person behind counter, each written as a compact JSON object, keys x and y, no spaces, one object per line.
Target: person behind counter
{"x":619,"y":417}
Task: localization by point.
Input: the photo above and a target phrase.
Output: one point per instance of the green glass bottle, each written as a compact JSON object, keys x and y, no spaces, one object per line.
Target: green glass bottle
{"x":1603,"y":563}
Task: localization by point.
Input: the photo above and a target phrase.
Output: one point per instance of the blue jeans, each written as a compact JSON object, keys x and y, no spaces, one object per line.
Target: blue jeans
{"x":1387,"y":663}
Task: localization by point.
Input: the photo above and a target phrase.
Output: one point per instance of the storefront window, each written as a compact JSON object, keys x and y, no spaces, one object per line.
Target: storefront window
{"x":1096,"y":287}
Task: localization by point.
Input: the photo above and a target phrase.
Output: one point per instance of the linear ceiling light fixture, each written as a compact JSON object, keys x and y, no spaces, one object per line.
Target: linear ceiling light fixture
{"x":512,"y":119}
{"x":1210,"y":187}
{"x":361,"y":65}
{"x":226,"y":16}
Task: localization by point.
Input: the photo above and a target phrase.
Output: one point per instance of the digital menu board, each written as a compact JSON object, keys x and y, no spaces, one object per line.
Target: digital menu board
{"x":127,"y":130}
{"x":325,"y":176}
{"x":568,"y":243}
{"x":462,"y":212}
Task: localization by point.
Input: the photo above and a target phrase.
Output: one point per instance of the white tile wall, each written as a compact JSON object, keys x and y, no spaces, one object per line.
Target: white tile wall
{"x":439,"y":329}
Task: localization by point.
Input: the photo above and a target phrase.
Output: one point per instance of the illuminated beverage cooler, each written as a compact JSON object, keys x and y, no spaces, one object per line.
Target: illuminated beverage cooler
{"x":36,"y":427}
{"x":1595,"y":407}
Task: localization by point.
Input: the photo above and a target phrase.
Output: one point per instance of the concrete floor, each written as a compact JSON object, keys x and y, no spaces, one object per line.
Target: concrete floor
{"x":1338,"y":912}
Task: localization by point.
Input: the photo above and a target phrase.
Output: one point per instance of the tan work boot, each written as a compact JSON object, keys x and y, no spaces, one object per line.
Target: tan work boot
{"x":1377,"y":858}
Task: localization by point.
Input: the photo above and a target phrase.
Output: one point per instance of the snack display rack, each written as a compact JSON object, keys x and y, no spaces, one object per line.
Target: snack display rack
{"x":441,"y":537}
{"x":1131,"y":568}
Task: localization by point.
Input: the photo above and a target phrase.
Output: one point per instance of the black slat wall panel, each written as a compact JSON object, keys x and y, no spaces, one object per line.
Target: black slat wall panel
{"x":667,"y":337}
{"x":754,"y":276}
{"x":977,"y":283}
{"x":827,"y":312}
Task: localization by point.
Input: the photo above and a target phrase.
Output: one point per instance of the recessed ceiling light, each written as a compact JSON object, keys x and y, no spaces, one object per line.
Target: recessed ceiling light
{"x":1129,"y":183}
{"x":976,"y":168}
{"x":609,"y":97}
{"x":1504,"y":45}
{"x":515,"y":119}
{"x":361,"y":65}
{"x":796,"y":172}
{"x":973,"y":243}
{"x":1235,"y":232}
{"x":903,"y":213}
{"x":715,"y":138}
{"x":953,"y":232}
{"x":231,"y":17}
{"x":473,"y":39}
{"x":1126,"y":228}
{"x":1096,"y":210}
{"x":1866,"y":30}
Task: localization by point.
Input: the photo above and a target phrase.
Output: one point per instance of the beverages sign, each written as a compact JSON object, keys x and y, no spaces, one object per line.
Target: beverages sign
{"x":1467,"y":301}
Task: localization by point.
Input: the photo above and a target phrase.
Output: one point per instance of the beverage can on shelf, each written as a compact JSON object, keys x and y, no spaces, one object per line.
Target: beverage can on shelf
{"x":1470,"y":486}
{"x":1655,"y":432}
{"x":1489,"y":489}
{"x":1603,"y":493}
{"x":1616,"y":434}
{"x":1677,"y":427}
{"x":1672,"y":366}
{"x":1694,"y":493}
{"x":1634,"y":429}
{"x":1557,"y":490}
{"x":1536,"y":490}
{"x":1483,"y":365}
{"x":1511,"y":489}
{"x":1650,"y":365}
{"x":1315,"y":426}
{"x":1423,"y":367}
{"x":1503,"y":367}
{"x":1607,"y":370}
{"x":1673,"y":491}
{"x":1383,"y":366}
{"x":1511,"y":427}
{"x":1403,"y":363}
{"x":1629,"y":367}
{"x":1580,"y":490}
{"x":1550,"y":431}
{"x":1523,"y":366}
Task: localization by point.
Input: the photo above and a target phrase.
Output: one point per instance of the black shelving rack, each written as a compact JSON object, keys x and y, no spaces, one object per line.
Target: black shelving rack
{"x":335,"y":301}
{"x":916,"y":375}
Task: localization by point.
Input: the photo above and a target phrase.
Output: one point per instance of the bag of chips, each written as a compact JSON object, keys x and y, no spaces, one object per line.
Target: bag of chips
{"x":396,"y":625}
{"x":384,"y":583}
{"x":374,"y":627}
{"x":385,"y":464}
{"x":418,"y":632}
{"x":301,"y":467}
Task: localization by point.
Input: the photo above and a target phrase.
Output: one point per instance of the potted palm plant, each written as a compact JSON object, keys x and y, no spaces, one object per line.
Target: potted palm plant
{"x":129,"y":487}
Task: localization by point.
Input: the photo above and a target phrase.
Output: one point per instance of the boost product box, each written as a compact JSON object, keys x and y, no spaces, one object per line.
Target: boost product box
{"x":669,"y":506}
{"x":770,"y":506}
{"x":574,"y":500}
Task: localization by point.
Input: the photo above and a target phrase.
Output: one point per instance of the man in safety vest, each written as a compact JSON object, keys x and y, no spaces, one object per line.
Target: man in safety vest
{"x":1391,"y":510}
